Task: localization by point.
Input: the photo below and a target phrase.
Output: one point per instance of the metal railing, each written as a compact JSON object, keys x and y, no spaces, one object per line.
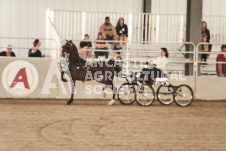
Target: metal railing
{"x":199,"y":62}
{"x":148,"y":49}
{"x":22,"y":51}
{"x":130,"y":55}
{"x":141,"y":27}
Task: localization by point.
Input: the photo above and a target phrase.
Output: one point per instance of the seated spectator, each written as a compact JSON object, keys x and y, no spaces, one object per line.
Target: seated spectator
{"x":101,"y":45}
{"x":204,"y":48}
{"x":35,"y":52}
{"x":221,"y":68}
{"x":122,"y":32}
{"x":86,"y":45}
{"x":109,"y":32}
{"x":8,"y":51}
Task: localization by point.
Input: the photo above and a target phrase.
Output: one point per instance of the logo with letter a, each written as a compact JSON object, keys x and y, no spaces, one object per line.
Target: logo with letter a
{"x":20,"y":78}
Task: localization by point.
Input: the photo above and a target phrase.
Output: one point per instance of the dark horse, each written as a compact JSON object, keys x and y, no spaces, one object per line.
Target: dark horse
{"x":78,"y":70}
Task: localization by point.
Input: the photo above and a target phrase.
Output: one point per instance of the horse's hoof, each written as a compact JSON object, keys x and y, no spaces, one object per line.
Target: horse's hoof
{"x":111,"y":102}
{"x":68,"y":103}
{"x":104,"y":94}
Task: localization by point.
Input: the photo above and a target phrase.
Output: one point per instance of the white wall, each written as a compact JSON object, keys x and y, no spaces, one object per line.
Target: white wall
{"x":169,"y":6}
{"x":26,"y":18}
{"x":214,"y":7}
{"x":210,"y":7}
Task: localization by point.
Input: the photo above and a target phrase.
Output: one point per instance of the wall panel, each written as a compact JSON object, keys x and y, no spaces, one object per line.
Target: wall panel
{"x":169,"y":6}
{"x":27,"y":18}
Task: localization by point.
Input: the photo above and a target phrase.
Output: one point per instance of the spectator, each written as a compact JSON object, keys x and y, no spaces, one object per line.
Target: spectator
{"x":221,"y":68}
{"x":109,"y":32}
{"x":86,"y":45}
{"x":206,"y":31}
{"x":35,"y":52}
{"x":122,"y":32}
{"x":101,"y":45}
{"x":159,"y":66}
{"x":8,"y":51}
{"x":204,"y":48}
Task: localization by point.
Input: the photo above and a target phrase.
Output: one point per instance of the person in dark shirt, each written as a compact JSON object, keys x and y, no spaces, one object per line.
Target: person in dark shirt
{"x":99,"y":44}
{"x":122,"y":31}
{"x":35,"y":52}
{"x":86,"y":45}
{"x":8,"y":52}
{"x":206,"y":32}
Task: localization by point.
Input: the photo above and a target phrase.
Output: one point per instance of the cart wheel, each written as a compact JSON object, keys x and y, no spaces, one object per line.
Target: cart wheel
{"x":165,"y":94}
{"x":145,"y":95}
{"x":183,"y":95}
{"x":127,"y":94}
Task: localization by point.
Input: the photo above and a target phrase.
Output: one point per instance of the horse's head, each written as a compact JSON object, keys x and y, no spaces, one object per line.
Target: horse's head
{"x":67,"y":48}
{"x":70,"y":49}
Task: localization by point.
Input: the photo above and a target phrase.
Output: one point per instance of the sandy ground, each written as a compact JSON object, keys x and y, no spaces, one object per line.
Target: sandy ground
{"x":34,"y":125}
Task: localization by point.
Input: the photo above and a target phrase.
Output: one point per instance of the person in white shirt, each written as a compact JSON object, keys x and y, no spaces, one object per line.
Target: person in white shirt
{"x":158,"y":69}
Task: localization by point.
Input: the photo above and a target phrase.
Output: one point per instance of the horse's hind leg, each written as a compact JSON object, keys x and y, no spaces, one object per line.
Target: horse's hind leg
{"x":72,"y":92}
{"x":113,"y":97}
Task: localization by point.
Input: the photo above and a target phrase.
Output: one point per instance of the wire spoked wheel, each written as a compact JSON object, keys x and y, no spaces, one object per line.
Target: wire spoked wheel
{"x":183,"y":95}
{"x":165,"y":94}
{"x":145,"y":95}
{"x":126,"y":94}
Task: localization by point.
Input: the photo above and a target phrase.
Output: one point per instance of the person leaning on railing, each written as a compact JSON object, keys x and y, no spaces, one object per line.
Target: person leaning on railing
{"x":8,"y":51}
{"x":35,"y":52}
{"x":206,"y":32}
{"x":122,"y":32}
{"x":220,"y":67}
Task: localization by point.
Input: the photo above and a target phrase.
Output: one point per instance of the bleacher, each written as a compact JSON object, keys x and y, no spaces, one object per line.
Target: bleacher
{"x":209,"y":68}
{"x":139,"y":51}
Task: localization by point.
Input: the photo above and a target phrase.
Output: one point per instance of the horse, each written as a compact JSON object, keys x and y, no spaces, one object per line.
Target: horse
{"x":78,"y":70}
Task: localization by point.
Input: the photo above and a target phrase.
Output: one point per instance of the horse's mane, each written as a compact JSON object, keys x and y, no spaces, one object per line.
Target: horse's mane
{"x":75,"y":59}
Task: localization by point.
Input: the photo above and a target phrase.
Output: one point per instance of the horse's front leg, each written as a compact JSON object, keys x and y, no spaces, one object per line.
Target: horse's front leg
{"x":72,"y":92}
{"x":103,"y":93}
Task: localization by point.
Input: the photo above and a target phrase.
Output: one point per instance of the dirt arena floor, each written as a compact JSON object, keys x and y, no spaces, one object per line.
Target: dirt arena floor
{"x":47,"y":125}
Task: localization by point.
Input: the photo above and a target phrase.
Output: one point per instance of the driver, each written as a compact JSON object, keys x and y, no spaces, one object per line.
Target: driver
{"x":158,"y":69}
